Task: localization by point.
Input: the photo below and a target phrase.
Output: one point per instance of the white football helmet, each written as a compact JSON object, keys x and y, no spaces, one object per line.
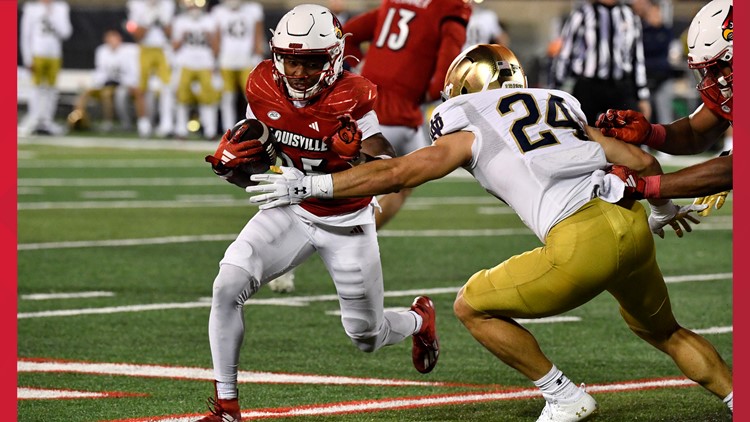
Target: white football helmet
{"x":482,"y":67}
{"x":710,"y":53}
{"x":308,"y":30}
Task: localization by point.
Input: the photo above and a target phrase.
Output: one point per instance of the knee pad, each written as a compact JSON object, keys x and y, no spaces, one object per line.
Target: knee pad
{"x":361,"y":333}
{"x":233,"y":285}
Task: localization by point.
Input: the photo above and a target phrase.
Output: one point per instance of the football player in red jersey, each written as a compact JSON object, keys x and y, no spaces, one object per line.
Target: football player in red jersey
{"x":411,"y":45}
{"x":710,"y":54}
{"x":319,"y":115}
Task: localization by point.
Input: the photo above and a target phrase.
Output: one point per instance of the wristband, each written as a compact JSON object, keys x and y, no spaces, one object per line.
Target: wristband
{"x":656,"y":136}
{"x":321,"y":186}
{"x":652,"y":188}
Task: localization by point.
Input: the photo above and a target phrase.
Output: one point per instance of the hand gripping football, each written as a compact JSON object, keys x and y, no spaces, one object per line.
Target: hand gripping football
{"x":253,"y":129}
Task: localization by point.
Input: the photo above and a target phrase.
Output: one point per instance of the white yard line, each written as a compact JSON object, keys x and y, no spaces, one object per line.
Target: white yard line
{"x":76,"y":295}
{"x":293,"y":300}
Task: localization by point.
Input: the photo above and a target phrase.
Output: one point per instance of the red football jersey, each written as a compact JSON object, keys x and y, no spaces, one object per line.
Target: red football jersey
{"x":299,"y":132}
{"x":412,"y":43}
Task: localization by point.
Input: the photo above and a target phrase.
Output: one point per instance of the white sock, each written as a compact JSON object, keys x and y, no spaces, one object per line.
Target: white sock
{"x":729,"y":401}
{"x":555,"y":385}
{"x":226,"y":390}
{"x":418,"y":324}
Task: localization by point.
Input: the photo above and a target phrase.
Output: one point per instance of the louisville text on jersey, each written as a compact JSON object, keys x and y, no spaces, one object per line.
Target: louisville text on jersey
{"x":296,"y":140}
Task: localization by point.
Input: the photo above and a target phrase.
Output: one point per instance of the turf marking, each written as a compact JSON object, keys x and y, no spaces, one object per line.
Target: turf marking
{"x":205,"y":374}
{"x":29,"y":393}
{"x":421,"y":401}
{"x":296,"y":301}
{"x":76,"y":295}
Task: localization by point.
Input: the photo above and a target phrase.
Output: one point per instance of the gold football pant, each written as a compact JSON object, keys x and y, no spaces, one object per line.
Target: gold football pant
{"x":600,"y":247}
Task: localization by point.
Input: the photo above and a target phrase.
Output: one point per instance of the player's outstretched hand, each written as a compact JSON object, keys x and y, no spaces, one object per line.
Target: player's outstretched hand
{"x":673,"y":215}
{"x":711,"y":202}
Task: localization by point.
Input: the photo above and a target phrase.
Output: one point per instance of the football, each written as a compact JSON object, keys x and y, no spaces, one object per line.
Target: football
{"x":251,"y":129}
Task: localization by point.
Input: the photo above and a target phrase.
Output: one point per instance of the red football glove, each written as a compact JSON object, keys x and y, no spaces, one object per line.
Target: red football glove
{"x":347,"y":141}
{"x":234,"y":152}
{"x":635,"y":186}
{"x":626,"y":125}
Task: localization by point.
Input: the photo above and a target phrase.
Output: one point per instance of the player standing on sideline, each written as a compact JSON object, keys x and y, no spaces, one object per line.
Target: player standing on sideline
{"x":45,"y":24}
{"x":196,"y":46}
{"x":319,"y":115}
{"x":115,"y":81}
{"x":411,"y":45}
{"x":529,"y":148}
{"x":710,"y":54}
{"x":242,"y":44}
{"x":150,"y":23}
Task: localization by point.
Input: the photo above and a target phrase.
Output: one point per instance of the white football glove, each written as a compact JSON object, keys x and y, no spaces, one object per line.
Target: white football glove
{"x":289,"y":187}
{"x":674,"y":215}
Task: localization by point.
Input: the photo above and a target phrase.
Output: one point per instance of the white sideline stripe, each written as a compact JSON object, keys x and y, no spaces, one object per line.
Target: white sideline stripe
{"x":177,"y":372}
{"x":79,"y":295}
{"x":41,"y":394}
{"x":715,"y":330}
{"x":411,"y":402}
{"x":113,"y":163}
{"x":134,"y":181}
{"x":298,"y":300}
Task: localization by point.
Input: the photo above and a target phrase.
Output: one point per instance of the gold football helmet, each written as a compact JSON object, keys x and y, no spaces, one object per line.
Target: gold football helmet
{"x":482,"y":67}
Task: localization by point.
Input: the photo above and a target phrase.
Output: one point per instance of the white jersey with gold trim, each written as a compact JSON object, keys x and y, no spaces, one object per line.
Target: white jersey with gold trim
{"x":44,"y":27}
{"x":195,"y":51}
{"x":530,"y":150}
{"x":155,"y":16}
{"x":237,"y":32}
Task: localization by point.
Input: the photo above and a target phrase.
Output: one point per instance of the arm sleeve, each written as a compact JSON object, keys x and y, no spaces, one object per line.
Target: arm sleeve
{"x":61,"y":21}
{"x":453,"y":36}
{"x":362,"y":29}
{"x":25,"y":40}
{"x":100,"y":74}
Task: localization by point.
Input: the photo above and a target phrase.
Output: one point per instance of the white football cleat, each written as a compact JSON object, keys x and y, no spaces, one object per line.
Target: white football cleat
{"x":283,"y":283}
{"x":580,"y":409}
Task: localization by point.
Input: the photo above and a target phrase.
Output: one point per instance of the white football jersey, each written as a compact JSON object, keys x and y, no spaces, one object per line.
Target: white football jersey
{"x":483,"y":27}
{"x":530,"y":150}
{"x":44,"y":27}
{"x":195,"y":51}
{"x":156,"y":15}
{"x":237,"y":32}
{"x":116,"y":65}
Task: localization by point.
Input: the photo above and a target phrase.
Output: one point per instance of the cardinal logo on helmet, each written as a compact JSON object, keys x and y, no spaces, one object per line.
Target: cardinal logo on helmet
{"x":727,"y":27}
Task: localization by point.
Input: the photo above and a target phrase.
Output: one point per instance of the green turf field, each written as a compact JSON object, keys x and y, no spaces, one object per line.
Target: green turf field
{"x":133,"y":237}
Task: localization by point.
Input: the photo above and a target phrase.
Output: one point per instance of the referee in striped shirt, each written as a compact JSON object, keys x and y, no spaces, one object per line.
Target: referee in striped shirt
{"x":602,"y":50}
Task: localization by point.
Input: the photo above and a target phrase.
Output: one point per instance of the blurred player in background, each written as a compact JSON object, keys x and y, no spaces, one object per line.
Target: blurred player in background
{"x":242,"y":44}
{"x":484,"y":28}
{"x":150,"y":23}
{"x":320,"y":116}
{"x":532,"y":149}
{"x":710,"y":42}
{"x":196,"y":45}
{"x":45,"y":24}
{"x":115,"y":82}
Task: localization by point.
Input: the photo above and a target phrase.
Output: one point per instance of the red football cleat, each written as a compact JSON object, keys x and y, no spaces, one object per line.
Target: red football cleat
{"x":223,"y":411}
{"x":425,"y":348}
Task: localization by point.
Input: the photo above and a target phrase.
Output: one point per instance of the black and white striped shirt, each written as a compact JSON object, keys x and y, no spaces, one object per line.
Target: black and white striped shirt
{"x":602,"y":42}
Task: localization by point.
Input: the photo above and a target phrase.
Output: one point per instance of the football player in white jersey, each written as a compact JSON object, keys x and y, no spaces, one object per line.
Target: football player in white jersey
{"x":196,"y":46}
{"x":45,"y":24}
{"x":115,"y":81}
{"x":532,"y":149}
{"x":242,"y":44}
{"x":150,"y":23}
